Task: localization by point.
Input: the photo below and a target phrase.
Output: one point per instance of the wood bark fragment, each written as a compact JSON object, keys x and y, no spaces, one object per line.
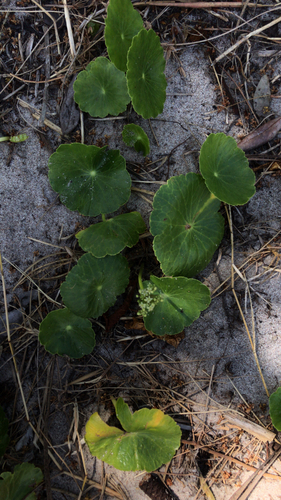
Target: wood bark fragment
{"x":256,"y":430}
{"x":261,"y":135}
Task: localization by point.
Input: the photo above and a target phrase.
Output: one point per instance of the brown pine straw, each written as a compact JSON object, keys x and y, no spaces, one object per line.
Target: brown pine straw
{"x":229,"y":458}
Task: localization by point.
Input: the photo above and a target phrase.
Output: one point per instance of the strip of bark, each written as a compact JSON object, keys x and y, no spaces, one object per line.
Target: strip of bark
{"x":261,"y":135}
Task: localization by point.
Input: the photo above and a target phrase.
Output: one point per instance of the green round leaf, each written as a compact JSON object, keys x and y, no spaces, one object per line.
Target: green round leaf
{"x":101,"y":89}
{"x":186,"y":225}
{"x":92,"y":286}
{"x":113,"y":235}
{"x":145,"y":75}
{"x":4,"y":438}
{"x":226,"y":171}
{"x":123,"y":22}
{"x":135,"y":136}
{"x":150,"y":438}
{"x":275,"y":408}
{"x":19,"y":485}
{"x":89,"y":179}
{"x":170,"y":304}
{"x":64,"y":333}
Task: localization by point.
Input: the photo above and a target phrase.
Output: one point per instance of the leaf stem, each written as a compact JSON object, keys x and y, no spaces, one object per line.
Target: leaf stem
{"x":2,"y":139}
{"x":103,"y":217}
{"x":140,"y":278}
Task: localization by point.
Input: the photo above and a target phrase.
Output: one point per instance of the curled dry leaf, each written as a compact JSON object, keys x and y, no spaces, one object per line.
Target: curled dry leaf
{"x":69,"y":112}
{"x":262,"y":135}
{"x":262,"y":96}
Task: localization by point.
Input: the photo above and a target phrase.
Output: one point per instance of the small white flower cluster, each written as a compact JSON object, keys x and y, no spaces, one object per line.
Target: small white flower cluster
{"x":148,"y":299}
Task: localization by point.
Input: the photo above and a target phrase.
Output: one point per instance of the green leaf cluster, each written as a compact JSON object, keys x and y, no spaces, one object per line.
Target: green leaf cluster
{"x":148,"y":440}
{"x":185,"y":222}
{"x":135,"y":71}
{"x":187,"y":229}
{"x":93,"y":181}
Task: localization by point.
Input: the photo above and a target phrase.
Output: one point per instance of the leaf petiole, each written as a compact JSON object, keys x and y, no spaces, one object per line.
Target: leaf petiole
{"x":140,"y":278}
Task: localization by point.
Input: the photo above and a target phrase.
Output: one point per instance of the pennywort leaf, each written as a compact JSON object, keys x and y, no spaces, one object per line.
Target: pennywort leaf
{"x":101,"y":89}
{"x":91,"y":287}
{"x":186,"y":225}
{"x":111,"y":236}
{"x":122,"y":23}
{"x":134,"y":136}
{"x":89,"y":179}
{"x":149,"y":439}
{"x":64,"y":333}
{"x":170,"y":304}
{"x":145,"y":74}
{"x":226,"y":171}
{"x":19,"y":485}
{"x":275,"y":408}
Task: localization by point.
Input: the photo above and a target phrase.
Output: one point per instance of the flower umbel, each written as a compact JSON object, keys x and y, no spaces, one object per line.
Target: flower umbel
{"x":148,"y":298}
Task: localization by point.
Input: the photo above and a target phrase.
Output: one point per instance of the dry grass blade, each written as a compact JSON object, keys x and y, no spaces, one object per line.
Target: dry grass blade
{"x":37,"y":116}
{"x":69,"y":30}
{"x":32,"y":281}
{"x":10,"y":342}
{"x":253,"y":346}
{"x":191,"y":5}
{"x":54,"y":23}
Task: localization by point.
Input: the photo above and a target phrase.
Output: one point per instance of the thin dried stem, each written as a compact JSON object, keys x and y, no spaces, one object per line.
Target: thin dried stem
{"x":229,"y":216}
